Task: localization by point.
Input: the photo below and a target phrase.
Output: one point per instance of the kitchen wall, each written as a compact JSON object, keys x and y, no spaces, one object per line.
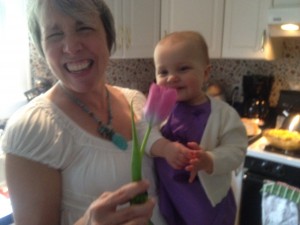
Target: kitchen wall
{"x":139,"y":73}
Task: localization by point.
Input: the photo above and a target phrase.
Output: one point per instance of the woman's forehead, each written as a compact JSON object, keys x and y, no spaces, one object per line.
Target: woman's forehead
{"x":52,"y":18}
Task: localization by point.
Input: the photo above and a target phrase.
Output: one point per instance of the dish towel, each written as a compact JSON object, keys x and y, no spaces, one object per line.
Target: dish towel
{"x":280,"y":204}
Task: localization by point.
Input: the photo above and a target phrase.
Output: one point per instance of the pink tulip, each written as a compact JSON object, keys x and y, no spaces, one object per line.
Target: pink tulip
{"x":159,"y":103}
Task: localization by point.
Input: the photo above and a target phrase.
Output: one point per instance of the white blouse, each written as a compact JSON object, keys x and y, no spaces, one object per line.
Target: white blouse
{"x":40,"y":131}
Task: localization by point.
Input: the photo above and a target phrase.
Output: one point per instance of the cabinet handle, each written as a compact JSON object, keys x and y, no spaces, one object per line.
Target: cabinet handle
{"x":128,"y":38}
{"x":120,"y":37}
{"x":263,"y":41}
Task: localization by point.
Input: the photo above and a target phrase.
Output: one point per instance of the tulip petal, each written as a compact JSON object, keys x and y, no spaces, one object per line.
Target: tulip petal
{"x":159,"y":103}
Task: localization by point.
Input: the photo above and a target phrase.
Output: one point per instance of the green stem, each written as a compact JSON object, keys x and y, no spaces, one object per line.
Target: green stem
{"x":145,"y":141}
{"x":136,"y":164}
{"x":136,"y":160}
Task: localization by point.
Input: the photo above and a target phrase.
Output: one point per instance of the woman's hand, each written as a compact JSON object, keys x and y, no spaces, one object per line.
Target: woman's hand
{"x":103,"y":211}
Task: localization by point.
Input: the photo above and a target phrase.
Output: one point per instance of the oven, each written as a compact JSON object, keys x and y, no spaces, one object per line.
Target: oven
{"x":263,"y":164}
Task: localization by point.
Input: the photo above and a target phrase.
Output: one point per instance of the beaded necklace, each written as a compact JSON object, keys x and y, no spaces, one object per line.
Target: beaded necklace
{"x":104,"y":130}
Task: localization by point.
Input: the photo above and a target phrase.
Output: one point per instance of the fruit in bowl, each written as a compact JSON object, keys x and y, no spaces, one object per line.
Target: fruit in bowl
{"x":284,"y":139}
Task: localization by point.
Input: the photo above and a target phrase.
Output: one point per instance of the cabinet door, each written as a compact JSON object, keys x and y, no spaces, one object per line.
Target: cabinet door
{"x":245,"y":24}
{"x":137,"y":25}
{"x":115,"y":7}
{"x":141,"y":27}
{"x":204,"y":16}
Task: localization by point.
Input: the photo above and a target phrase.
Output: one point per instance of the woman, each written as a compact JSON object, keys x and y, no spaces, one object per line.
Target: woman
{"x":72,"y":144}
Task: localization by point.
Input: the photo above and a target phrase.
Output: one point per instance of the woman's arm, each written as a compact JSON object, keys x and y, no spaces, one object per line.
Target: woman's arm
{"x":35,"y":191}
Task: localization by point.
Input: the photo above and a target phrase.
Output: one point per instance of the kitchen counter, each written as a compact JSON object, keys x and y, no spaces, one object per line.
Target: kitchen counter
{"x":256,"y":149}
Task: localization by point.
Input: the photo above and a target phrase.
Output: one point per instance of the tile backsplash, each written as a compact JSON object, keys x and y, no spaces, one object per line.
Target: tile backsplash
{"x":139,"y":73}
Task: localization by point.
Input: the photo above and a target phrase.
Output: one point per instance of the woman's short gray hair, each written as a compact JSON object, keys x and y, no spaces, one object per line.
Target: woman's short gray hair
{"x":78,"y":9}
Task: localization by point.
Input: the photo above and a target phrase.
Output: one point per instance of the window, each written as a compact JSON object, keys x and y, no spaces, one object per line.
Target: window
{"x":14,"y":56}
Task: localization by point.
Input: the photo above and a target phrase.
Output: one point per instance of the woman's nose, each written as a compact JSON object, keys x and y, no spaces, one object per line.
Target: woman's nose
{"x":72,"y":45}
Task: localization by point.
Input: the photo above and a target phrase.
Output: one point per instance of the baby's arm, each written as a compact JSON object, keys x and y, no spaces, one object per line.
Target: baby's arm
{"x":176,"y":154}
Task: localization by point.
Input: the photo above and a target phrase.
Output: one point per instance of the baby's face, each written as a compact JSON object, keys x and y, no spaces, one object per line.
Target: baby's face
{"x":179,"y":65}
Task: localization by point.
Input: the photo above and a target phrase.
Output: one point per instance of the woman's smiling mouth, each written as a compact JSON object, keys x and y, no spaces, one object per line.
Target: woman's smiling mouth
{"x":76,"y":67}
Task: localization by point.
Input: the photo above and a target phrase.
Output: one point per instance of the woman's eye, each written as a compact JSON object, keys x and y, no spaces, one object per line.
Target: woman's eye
{"x":85,"y":29}
{"x":54,"y":35}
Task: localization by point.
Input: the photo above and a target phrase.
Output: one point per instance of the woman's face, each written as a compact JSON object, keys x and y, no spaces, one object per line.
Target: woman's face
{"x":179,"y":66}
{"x":76,"y":51}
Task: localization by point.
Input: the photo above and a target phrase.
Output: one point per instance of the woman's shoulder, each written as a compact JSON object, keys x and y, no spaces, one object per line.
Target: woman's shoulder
{"x":28,"y":112}
{"x":34,"y":112}
{"x":136,"y":97}
{"x":129,"y":93}
{"x":31,"y":127}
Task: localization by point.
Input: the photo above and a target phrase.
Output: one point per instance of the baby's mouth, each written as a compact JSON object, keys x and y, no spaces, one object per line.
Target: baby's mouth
{"x":76,"y":67}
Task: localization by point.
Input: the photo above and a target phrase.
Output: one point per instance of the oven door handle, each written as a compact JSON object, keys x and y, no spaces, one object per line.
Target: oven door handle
{"x":254,"y":177}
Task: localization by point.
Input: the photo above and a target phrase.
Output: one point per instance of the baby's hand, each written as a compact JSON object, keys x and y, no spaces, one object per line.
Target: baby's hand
{"x":178,"y":155}
{"x":199,"y":160}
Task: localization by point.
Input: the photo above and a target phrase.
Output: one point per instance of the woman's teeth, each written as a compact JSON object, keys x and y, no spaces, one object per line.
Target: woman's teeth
{"x":78,"y":66}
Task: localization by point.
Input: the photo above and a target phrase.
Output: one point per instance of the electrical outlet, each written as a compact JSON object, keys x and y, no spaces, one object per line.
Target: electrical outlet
{"x":236,"y":95}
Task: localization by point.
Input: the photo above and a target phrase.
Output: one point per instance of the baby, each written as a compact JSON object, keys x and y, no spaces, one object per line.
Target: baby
{"x":199,"y":191}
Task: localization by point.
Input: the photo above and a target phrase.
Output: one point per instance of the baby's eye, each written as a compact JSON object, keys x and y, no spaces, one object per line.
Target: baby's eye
{"x":183,"y":68}
{"x":163,"y":73}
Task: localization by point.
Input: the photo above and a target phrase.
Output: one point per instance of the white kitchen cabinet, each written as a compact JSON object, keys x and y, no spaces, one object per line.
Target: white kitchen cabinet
{"x":245,"y":24}
{"x":204,"y":16}
{"x":285,"y":3}
{"x":137,"y":25}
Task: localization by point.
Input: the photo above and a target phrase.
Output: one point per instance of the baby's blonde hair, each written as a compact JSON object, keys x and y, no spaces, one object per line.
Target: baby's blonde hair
{"x":192,"y":36}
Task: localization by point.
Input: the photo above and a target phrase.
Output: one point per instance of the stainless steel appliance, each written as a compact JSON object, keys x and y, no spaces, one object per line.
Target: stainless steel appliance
{"x":288,"y":106}
{"x":256,"y":91}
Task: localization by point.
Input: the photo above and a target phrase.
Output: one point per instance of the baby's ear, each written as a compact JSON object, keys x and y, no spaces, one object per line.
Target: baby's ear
{"x":207,"y":71}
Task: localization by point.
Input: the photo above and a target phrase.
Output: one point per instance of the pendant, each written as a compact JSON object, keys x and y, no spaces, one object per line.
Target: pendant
{"x":115,"y":138}
{"x":119,"y":141}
